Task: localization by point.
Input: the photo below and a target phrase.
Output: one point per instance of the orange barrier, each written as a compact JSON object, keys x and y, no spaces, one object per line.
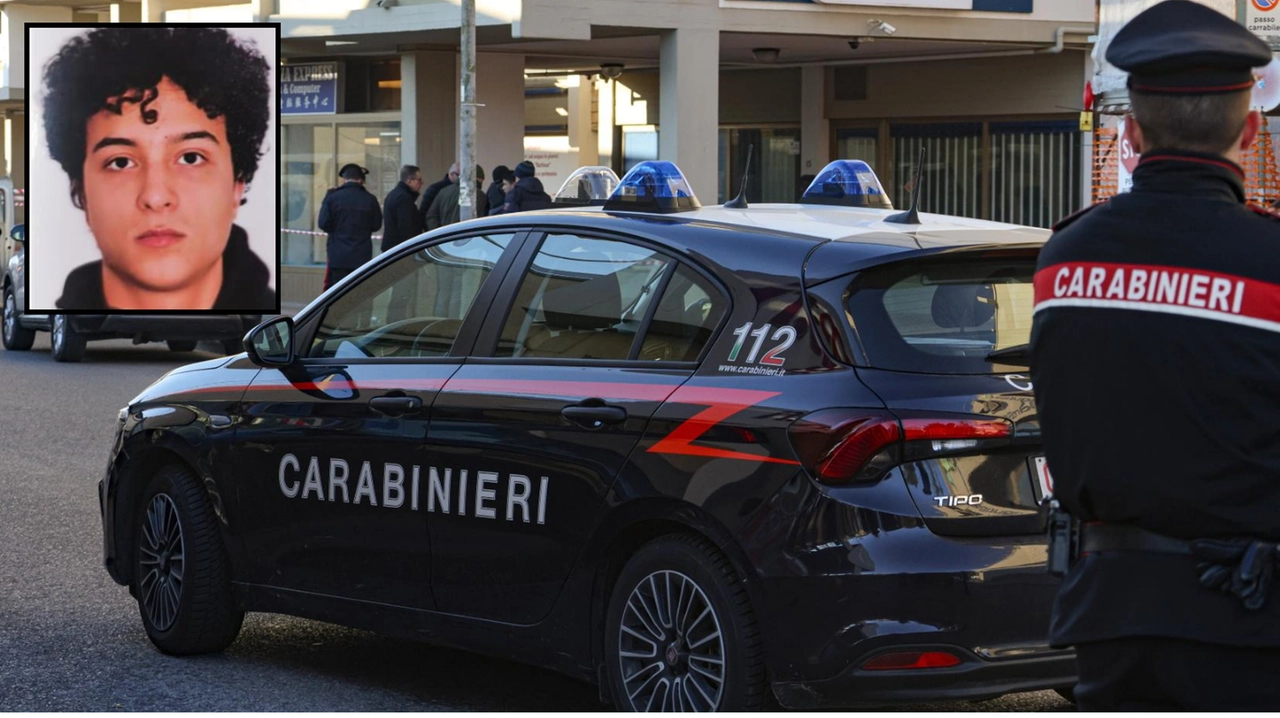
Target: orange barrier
{"x":1262,"y":180}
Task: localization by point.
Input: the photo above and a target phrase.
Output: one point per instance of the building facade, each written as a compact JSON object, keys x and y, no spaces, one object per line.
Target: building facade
{"x":990,"y":89}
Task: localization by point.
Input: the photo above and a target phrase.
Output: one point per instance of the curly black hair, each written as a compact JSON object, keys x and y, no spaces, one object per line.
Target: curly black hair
{"x":108,"y":67}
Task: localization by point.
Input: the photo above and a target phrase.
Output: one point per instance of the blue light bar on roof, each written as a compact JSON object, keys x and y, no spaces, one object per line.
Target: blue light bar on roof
{"x":654,"y":186}
{"x":587,"y":186}
{"x":847,"y":183}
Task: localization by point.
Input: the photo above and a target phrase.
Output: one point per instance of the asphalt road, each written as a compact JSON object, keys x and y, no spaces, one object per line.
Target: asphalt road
{"x":71,"y":639}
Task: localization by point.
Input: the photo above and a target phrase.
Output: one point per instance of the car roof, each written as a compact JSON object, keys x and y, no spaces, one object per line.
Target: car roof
{"x":830,"y":223}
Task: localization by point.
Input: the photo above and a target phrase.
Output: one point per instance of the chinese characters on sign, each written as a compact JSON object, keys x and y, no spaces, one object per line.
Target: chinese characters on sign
{"x":310,"y":89}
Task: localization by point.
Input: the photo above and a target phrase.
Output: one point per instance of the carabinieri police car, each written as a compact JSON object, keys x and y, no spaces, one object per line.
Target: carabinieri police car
{"x":704,"y":456}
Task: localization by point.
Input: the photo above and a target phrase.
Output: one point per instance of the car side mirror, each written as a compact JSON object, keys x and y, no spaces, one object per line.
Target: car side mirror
{"x":270,"y":344}
{"x":19,"y":234}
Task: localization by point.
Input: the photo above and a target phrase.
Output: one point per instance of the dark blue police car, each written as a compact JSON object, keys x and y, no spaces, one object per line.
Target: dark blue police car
{"x":703,"y":456}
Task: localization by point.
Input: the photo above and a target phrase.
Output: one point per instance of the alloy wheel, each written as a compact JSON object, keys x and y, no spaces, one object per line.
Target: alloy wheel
{"x":59,"y":332}
{"x":10,"y":316}
{"x":162,"y":562}
{"x":671,"y":647}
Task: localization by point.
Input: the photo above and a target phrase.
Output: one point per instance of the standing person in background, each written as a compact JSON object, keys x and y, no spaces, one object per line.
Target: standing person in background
{"x":350,"y":215}
{"x":497,"y":193}
{"x":400,"y":209}
{"x":433,"y":189}
{"x":526,"y":193}
{"x":444,"y":209}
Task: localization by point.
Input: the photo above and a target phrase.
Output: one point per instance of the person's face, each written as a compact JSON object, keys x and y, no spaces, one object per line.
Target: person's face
{"x":160,"y":198}
{"x":454,"y":172}
{"x":415,"y":182}
{"x":508,"y":185}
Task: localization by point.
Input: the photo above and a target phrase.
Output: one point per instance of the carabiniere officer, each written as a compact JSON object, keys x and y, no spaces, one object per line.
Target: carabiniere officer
{"x":1156,"y":364}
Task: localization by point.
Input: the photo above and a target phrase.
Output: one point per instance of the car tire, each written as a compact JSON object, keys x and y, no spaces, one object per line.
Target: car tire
{"x":669,"y":661}
{"x":181,"y":573}
{"x":182,"y":345}
{"x":16,"y":338}
{"x":68,"y":346}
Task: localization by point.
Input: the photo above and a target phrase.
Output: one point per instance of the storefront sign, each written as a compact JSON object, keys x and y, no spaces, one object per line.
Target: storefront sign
{"x":1021,"y":6}
{"x":310,"y":89}
{"x":1262,"y":18}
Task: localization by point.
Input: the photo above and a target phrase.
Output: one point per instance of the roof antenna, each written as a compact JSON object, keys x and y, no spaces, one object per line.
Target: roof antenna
{"x":740,"y":202}
{"x":912,"y":215}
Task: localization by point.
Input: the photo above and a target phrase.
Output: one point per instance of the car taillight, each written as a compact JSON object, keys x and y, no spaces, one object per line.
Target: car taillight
{"x":911,"y":660}
{"x":842,"y":446}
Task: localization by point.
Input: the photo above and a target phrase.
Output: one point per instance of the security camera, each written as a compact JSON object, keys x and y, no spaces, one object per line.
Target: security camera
{"x":855,"y":43}
{"x":888,"y":29}
{"x":387,"y":4}
{"x":882,"y":26}
{"x":611,"y":70}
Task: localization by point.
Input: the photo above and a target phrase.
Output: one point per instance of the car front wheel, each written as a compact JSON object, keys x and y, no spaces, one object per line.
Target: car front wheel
{"x":68,"y":346}
{"x":181,"y":574}
{"x":15,"y":337}
{"x":680,"y":633}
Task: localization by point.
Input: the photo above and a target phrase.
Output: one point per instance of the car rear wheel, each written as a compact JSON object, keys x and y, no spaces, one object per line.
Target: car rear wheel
{"x":16,"y":338}
{"x":181,"y":575}
{"x":68,"y":346}
{"x":680,"y":633}
{"x":183,"y":345}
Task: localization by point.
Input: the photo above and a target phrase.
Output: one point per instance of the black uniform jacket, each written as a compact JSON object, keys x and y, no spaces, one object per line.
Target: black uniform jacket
{"x":1156,"y":364}
{"x":245,"y":282}
{"x":350,"y":214}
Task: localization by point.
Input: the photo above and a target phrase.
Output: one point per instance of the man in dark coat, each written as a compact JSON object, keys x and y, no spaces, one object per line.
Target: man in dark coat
{"x":1155,"y":356}
{"x":525,"y":194}
{"x":497,"y":192}
{"x":350,"y":215}
{"x":433,"y":189}
{"x":400,"y":210}
{"x":445,"y":210}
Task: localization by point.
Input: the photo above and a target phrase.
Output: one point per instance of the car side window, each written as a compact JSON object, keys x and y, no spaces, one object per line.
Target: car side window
{"x":690,"y":310}
{"x":412,"y":307}
{"x":581,"y":298}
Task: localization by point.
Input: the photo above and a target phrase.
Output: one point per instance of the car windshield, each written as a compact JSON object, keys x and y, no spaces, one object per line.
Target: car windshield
{"x":943,"y":316}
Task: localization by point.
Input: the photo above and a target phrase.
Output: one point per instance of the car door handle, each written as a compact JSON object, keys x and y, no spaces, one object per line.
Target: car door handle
{"x":594,"y":413}
{"x":395,"y":405}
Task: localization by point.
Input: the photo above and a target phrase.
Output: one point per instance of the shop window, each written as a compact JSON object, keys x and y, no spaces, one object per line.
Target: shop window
{"x":309,"y":169}
{"x":775,"y":163}
{"x":639,"y":144}
{"x":371,"y":85}
{"x":952,"y":175}
{"x":1035,"y":172}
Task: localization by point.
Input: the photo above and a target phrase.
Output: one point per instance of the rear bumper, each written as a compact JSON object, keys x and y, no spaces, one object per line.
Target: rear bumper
{"x":1036,"y":668}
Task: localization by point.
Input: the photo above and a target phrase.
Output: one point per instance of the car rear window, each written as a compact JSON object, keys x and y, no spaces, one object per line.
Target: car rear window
{"x":944,"y":315}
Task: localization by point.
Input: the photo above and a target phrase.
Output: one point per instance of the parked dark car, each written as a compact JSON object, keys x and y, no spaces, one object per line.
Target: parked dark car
{"x":697,"y":455}
{"x":70,"y":332}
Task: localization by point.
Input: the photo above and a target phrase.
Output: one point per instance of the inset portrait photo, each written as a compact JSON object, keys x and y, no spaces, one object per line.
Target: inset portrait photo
{"x":152,"y":169}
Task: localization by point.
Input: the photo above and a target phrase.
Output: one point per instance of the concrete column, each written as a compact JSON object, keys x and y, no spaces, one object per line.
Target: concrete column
{"x":13,"y":25}
{"x":126,"y":12}
{"x":500,"y":122}
{"x":815,"y":128}
{"x":604,"y":122}
{"x":689,"y":115}
{"x":582,"y":134}
{"x":429,"y":111}
{"x":16,"y":148}
{"x":263,"y":9}
{"x":153,"y":10}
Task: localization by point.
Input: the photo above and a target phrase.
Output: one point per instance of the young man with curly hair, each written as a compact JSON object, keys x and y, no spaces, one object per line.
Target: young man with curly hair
{"x":159,"y":130}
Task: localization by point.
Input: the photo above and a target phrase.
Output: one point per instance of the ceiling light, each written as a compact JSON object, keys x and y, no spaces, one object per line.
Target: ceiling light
{"x":335,"y":43}
{"x":765,"y":54}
